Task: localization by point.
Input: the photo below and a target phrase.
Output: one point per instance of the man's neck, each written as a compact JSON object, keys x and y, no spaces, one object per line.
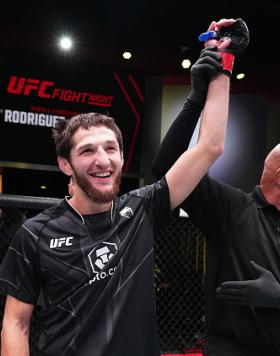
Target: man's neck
{"x":87,"y":206}
{"x":272,"y":195}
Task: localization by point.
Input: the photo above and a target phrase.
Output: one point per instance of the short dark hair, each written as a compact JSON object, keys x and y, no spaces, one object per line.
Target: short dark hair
{"x":64,"y":130}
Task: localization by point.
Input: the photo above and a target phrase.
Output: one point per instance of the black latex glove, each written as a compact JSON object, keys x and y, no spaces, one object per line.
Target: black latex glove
{"x":209,"y":62}
{"x":239,"y":34}
{"x":261,"y":292}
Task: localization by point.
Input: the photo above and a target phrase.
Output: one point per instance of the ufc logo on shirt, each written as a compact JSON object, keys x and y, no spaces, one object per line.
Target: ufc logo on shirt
{"x":61,"y":241}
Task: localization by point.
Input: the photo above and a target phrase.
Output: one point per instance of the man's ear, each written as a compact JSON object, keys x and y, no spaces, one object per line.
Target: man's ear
{"x":64,"y":166}
{"x":278,"y":176}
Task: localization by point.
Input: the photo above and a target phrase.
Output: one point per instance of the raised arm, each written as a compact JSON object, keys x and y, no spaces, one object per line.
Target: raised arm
{"x":178,"y":136}
{"x":183,"y":126}
{"x":15,"y":328}
{"x":191,"y":166}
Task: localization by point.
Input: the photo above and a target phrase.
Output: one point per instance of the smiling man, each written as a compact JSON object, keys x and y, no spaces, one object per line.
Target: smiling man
{"x":88,"y":262}
{"x":98,"y":181}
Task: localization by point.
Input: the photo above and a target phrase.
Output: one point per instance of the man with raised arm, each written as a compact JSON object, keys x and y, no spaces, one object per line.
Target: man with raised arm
{"x":88,"y":262}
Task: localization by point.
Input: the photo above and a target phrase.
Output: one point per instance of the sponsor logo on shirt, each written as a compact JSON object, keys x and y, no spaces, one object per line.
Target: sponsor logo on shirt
{"x":61,"y":241}
{"x":126,"y":212}
{"x":98,"y":259}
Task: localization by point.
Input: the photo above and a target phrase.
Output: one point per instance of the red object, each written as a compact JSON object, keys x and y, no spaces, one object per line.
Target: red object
{"x":228,"y":61}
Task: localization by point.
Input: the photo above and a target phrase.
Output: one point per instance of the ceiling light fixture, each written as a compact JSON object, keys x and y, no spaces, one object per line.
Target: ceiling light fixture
{"x":240,"y":75}
{"x":186,"y":63}
{"x":127,"y":55}
{"x":65,"y":43}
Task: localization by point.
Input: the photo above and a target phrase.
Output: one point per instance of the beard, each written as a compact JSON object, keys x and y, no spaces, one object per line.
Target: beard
{"x":95,"y":194}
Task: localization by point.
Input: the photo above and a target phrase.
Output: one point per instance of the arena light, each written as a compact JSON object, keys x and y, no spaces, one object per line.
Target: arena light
{"x":66,"y":43}
{"x":186,"y":63}
{"x":240,"y":76}
{"x":127,"y":55}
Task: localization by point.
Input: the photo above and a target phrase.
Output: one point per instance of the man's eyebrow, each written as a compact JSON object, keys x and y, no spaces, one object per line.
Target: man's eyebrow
{"x":88,"y":145}
{"x":112,"y":142}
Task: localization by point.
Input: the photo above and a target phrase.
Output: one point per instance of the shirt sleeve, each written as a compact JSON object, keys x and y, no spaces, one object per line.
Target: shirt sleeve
{"x":214,"y":205}
{"x":156,"y":202}
{"x":18,"y":272}
{"x":177,"y":139}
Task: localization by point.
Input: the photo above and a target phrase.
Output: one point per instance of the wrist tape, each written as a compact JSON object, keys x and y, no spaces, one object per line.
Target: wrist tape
{"x":227,"y":62}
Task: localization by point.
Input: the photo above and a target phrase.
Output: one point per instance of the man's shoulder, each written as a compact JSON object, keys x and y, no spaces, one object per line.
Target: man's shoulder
{"x":215,"y":194}
{"x":43,"y":217}
{"x":147,"y":190}
{"x":222,"y":186}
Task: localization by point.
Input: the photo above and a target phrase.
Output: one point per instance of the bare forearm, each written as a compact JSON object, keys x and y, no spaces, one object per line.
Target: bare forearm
{"x":215,"y":113}
{"x":14,"y":341}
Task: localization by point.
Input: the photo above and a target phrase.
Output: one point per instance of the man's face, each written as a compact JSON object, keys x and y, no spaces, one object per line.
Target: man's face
{"x":271,"y":170}
{"x":96,"y":162}
{"x":273,"y":158}
{"x":272,"y":161}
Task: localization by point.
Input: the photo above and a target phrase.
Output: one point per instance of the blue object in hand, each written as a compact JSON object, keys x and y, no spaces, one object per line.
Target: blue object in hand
{"x":205,"y":36}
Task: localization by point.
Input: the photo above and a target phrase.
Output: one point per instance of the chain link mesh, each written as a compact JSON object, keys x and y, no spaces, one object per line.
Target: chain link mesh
{"x":10,"y":220}
{"x":179,"y":271}
{"x":180,"y":267}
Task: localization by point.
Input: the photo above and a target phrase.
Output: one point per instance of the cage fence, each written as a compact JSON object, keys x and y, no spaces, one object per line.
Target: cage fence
{"x":180,"y":252}
{"x":180,"y":259}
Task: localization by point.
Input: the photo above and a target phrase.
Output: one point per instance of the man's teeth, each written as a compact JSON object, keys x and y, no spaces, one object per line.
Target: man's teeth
{"x":102,"y":174}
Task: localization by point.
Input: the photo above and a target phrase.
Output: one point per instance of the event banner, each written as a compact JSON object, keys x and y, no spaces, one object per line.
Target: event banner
{"x":35,"y":95}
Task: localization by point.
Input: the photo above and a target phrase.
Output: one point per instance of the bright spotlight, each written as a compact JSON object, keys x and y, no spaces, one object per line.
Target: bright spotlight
{"x":127,"y":55}
{"x":186,"y":63}
{"x":65,"y":43}
{"x":240,"y":75}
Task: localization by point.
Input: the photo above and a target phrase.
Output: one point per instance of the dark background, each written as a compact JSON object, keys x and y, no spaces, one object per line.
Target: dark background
{"x":159,"y":34}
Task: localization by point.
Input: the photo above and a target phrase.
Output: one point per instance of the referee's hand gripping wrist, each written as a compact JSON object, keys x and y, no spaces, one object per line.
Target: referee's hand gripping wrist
{"x":209,"y":63}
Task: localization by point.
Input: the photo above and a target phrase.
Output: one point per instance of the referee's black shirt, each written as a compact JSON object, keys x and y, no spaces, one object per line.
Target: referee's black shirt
{"x":240,"y":227}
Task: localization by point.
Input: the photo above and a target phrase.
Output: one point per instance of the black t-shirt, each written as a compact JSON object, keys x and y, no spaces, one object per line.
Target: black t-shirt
{"x":240,"y":228}
{"x":93,"y":275}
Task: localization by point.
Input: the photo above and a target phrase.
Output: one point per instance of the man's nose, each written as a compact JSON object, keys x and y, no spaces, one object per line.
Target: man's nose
{"x":102,"y":159}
